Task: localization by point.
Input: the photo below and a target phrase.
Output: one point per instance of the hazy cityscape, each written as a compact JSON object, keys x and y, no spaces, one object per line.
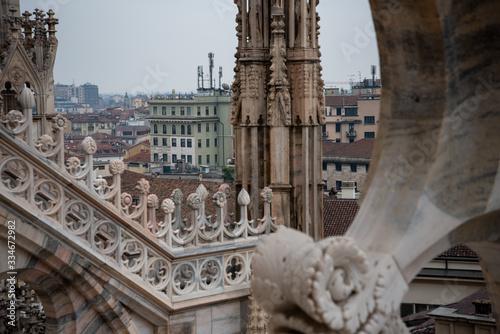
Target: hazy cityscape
{"x":199,"y":167}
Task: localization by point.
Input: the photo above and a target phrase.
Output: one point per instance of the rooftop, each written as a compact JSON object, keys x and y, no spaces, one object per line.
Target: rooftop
{"x":359,"y":149}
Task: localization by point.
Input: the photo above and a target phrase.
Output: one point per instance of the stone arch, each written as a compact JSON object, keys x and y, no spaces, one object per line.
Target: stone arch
{"x":70,"y":285}
{"x":434,"y":179}
{"x":433,"y":161}
{"x":55,"y":298}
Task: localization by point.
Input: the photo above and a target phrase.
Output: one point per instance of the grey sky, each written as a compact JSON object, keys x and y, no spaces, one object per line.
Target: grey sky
{"x":156,"y":45}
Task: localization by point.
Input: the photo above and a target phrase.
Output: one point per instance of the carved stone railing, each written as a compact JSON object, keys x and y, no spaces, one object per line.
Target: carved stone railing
{"x":181,"y":258}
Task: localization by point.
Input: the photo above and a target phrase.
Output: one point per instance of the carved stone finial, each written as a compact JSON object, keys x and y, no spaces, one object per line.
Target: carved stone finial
{"x":243,"y":198}
{"x":153,"y":201}
{"x":194,"y":201}
{"x":143,"y":186}
{"x":59,"y":123}
{"x":168,"y":206}
{"x":177,"y":196}
{"x":267,"y":194}
{"x":220,"y":199}
{"x":325,"y":287}
{"x":116,"y":167}
{"x":89,"y":146}
{"x":27,"y":99}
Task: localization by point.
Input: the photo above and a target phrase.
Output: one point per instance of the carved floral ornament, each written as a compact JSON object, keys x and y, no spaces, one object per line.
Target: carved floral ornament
{"x":116,"y":167}
{"x":327,"y":287}
{"x":89,"y":146}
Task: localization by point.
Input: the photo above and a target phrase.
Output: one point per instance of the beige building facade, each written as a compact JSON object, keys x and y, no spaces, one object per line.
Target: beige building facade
{"x":351,"y":117}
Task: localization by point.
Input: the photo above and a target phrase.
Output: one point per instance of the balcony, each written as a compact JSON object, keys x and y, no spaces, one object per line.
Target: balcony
{"x":351,"y":133}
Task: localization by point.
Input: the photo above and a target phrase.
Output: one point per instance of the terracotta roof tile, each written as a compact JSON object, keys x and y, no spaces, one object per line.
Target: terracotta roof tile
{"x":359,"y":149}
{"x":338,"y":215}
{"x":341,"y":100}
{"x":139,"y":157}
{"x":459,"y":251}
{"x":163,"y":188}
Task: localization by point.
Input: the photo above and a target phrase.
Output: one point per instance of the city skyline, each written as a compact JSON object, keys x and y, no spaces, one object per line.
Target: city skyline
{"x":122,"y":47}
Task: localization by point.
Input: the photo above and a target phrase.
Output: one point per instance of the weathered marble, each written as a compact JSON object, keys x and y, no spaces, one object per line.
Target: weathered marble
{"x":278,"y":109}
{"x":433,"y":181}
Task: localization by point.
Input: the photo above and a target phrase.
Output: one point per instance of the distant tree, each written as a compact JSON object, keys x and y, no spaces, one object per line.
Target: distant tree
{"x":228,"y":173}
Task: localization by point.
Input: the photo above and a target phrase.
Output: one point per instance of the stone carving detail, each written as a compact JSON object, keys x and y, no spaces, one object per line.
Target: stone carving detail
{"x":106,"y":237}
{"x":104,"y":232}
{"x":330,"y":286}
{"x":184,"y":278}
{"x":253,"y":75}
{"x":45,"y":144}
{"x":77,"y":218}
{"x":133,"y":254}
{"x":236,"y":270}
{"x":257,"y":318}
{"x":89,"y":146}
{"x":116,"y":167}
{"x":47,"y":196}
{"x":210,"y":274}
{"x":15,"y":174}
{"x":279,"y":109}
{"x":159,"y":273}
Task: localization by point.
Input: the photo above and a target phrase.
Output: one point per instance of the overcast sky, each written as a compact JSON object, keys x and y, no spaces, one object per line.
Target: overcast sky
{"x":156,"y":45}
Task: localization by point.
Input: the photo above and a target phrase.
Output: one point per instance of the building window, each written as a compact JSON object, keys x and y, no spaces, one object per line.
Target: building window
{"x":165,"y":157}
{"x":199,"y":127}
{"x":190,"y":159}
{"x":174,"y":158}
{"x":189,"y":129}
{"x":337,"y":127}
{"x":207,"y":127}
{"x":338,"y":185}
{"x":369,"y":119}
{"x":155,"y":141}
{"x":174,"y":131}
{"x":199,"y":160}
{"x":188,"y":109}
{"x":325,"y":165}
{"x":208,"y":142}
{"x":198,"y":112}
{"x":163,"y":110}
{"x":339,"y":111}
{"x":351,"y":111}
{"x":338,"y":167}
{"x":215,"y":127}
{"x":216,"y":142}
{"x":208,"y":159}
{"x":155,"y":110}
{"x":183,"y":157}
{"x":189,"y":143}
{"x":155,"y":157}
{"x":216,"y":158}
{"x":207,"y":111}
{"x":164,"y":141}
{"x":183,"y":129}
{"x":351,"y":140}
{"x":182,"y":111}
{"x":369,"y":134}
{"x":183,"y":142}
{"x":337,"y":140}
{"x":155,"y":128}
{"x":174,"y":142}
{"x":199,"y":142}
{"x":354,"y":168}
{"x":215,"y":110}
{"x":172,"y":109}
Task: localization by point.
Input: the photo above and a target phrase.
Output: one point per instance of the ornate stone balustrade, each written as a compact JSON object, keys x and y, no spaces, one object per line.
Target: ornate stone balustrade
{"x":181,"y":258}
